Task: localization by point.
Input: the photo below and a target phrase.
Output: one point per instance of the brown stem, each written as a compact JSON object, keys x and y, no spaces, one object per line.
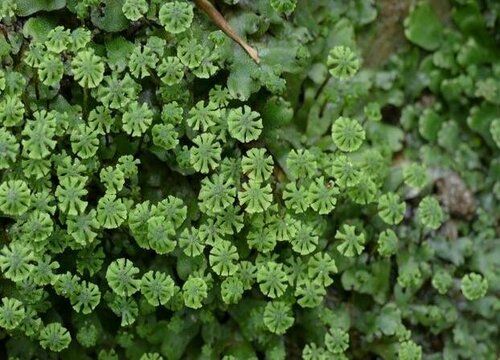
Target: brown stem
{"x":219,"y":20}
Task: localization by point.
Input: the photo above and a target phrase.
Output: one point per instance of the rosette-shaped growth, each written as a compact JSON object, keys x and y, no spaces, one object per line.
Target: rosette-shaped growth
{"x":430,"y":213}
{"x":256,"y":196}
{"x":305,"y":240}
{"x":216,"y":194}
{"x":88,"y":69}
{"x":11,"y":313}
{"x":442,"y":281}
{"x":125,"y":307}
{"x":231,"y":290}
{"x":352,"y":243}
{"x":310,"y":293}
{"x":342,"y":62}
{"x":194,"y":291}
{"x":84,"y":141}
{"x":16,"y":261}
{"x":50,"y":70}
{"x":284,"y":6}
{"x":58,"y":39}
{"x":15,"y":197}
{"x":474,"y":286}
{"x":111,"y":212}
{"x":176,"y":16}
{"x":160,"y":235}
{"x":323,"y":196}
{"x":191,"y":242}
{"x":387,"y":243}
{"x":206,"y":154}
{"x":191,"y":53}
{"x":137,"y":119}
{"x":157,"y":287}
{"x":223,"y":258}
{"x":39,"y":132}
{"x":346,"y":172}
{"x":54,"y":337}
{"x":296,"y":197}
{"x":115,"y":92}
{"x":121,"y":277}
{"x":272,"y":279}
{"x":261,"y":239}
{"x":80,"y":37}
{"x":165,"y":136}
{"x":257,"y":164}
{"x":320,"y":268}
{"x":141,"y":61}
{"x":415,"y":175}
{"x":409,"y":350}
{"x":347,"y":134}
{"x":301,"y":163}
{"x":244,"y":124}
{"x":391,"y":209}
{"x":86,"y":297}
{"x":134,"y":9}
{"x":11,"y":110}
{"x":337,"y":340}
{"x":69,"y":193}
{"x":171,"y":70}
{"x":278,"y":317}
{"x":203,"y":117}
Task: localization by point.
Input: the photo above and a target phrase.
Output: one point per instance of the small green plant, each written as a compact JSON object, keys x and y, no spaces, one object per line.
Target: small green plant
{"x":235,"y":179}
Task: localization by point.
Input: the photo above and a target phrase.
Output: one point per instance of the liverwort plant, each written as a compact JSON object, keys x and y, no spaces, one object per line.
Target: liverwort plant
{"x":266,"y":179}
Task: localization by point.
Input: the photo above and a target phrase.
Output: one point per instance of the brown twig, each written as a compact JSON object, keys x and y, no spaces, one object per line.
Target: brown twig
{"x":221,"y":22}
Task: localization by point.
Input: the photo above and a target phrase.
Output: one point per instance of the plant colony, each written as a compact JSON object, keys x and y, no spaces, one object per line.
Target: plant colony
{"x":164,"y":196}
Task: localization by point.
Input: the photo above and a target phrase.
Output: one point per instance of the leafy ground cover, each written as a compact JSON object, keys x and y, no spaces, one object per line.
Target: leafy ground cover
{"x":236,"y":179}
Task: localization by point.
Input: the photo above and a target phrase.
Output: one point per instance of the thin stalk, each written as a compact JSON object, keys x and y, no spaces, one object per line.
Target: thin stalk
{"x":85,"y":102}
{"x":37,"y":86}
{"x":323,"y":85}
{"x":222,"y":23}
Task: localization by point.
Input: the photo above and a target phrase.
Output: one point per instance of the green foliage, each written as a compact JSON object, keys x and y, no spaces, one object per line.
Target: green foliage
{"x":473,"y":286}
{"x":336,"y":340}
{"x":347,"y":134}
{"x":158,"y":288}
{"x":352,"y":243}
{"x":272,"y":279}
{"x":284,"y":6}
{"x":255,"y":196}
{"x":387,"y":243}
{"x":69,"y":193}
{"x":430,"y":213}
{"x":134,"y":9}
{"x":230,"y":179}
{"x":121,"y":277}
{"x":277,"y":317}
{"x":206,"y":153}
{"x":415,"y":176}
{"x":14,"y":197}
{"x":423,"y":27}
{"x":11,"y":313}
{"x":194,"y":291}
{"x":88,"y":69}
{"x":342,"y":62}
{"x":323,"y":196}
{"x":244,"y":124}
{"x":86,"y":297}
{"x":390,"y":208}
{"x":54,"y":337}
{"x":176,"y":16}
{"x":137,"y":119}
{"x":256,"y":165}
